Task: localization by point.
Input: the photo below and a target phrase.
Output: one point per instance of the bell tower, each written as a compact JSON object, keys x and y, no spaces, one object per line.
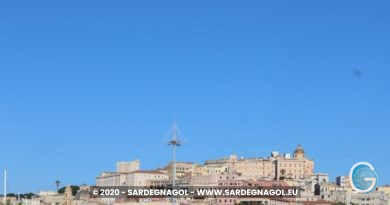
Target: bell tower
{"x":68,"y":195}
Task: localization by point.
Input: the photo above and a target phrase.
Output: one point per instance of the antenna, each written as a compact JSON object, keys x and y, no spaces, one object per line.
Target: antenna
{"x":174,"y":142}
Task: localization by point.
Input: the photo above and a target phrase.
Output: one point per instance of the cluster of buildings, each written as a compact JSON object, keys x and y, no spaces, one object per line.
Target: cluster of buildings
{"x":284,"y":170}
{"x":295,"y":170}
{"x":275,"y":167}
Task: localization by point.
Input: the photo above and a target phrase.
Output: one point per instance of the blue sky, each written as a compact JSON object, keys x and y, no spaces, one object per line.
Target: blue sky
{"x":84,"y":84}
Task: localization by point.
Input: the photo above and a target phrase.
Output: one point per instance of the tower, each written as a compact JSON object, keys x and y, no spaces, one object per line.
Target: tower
{"x":299,"y":153}
{"x":68,"y":195}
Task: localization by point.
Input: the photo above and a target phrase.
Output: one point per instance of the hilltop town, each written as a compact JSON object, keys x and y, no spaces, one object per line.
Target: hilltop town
{"x":287,"y":170}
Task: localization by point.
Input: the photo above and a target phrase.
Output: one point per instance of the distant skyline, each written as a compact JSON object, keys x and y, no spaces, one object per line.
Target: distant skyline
{"x":85,"y":84}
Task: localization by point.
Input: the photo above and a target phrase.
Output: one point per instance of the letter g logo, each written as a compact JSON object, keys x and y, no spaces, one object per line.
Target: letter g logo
{"x":363,"y":177}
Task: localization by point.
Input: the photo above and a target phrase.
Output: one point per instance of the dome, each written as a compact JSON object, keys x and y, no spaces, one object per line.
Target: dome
{"x":299,"y":150}
{"x":299,"y":153}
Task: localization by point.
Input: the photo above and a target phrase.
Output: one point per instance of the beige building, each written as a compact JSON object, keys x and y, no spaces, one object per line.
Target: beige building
{"x":135,"y":178}
{"x":128,"y":166}
{"x":182,"y":168}
{"x":270,"y":168}
{"x":251,"y":167}
{"x":129,"y":174}
{"x":373,"y":198}
{"x":144,"y":178}
{"x":385,"y":188}
{"x":208,"y":179}
{"x":10,"y":200}
{"x":295,"y":168}
{"x":110,"y":179}
{"x":274,"y":167}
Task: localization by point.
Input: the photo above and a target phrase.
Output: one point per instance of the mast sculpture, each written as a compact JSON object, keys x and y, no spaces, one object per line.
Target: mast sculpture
{"x":174,"y":142}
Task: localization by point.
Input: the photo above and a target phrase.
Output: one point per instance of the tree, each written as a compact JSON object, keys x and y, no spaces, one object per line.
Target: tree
{"x":58,"y":184}
{"x":73,"y":187}
{"x":282,"y":173}
{"x":338,"y":203}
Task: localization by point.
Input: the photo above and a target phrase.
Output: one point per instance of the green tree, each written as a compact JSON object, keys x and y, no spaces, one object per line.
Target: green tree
{"x":73,"y":187}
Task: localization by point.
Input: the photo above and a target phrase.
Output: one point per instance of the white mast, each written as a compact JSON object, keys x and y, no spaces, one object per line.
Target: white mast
{"x":174,"y":142}
{"x":5,"y":187}
{"x":174,"y":154}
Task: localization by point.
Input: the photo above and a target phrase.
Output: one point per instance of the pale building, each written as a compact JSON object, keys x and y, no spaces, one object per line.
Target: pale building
{"x":296,"y":168}
{"x":275,"y":167}
{"x":111,"y":179}
{"x":250,"y":168}
{"x":341,"y":181}
{"x":10,"y":200}
{"x":385,"y":188}
{"x":135,"y":178}
{"x":210,"y":169}
{"x":47,"y":193}
{"x":144,"y":178}
{"x":182,"y":168}
{"x":209,"y":179}
{"x":373,"y":198}
{"x":52,"y":197}
{"x":125,"y":167}
{"x":119,"y":177}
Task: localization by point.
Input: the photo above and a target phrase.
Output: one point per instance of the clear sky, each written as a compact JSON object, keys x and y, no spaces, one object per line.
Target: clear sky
{"x":84,"y":84}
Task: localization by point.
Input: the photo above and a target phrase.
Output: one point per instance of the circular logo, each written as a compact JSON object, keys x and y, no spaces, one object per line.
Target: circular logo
{"x":363,"y":177}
